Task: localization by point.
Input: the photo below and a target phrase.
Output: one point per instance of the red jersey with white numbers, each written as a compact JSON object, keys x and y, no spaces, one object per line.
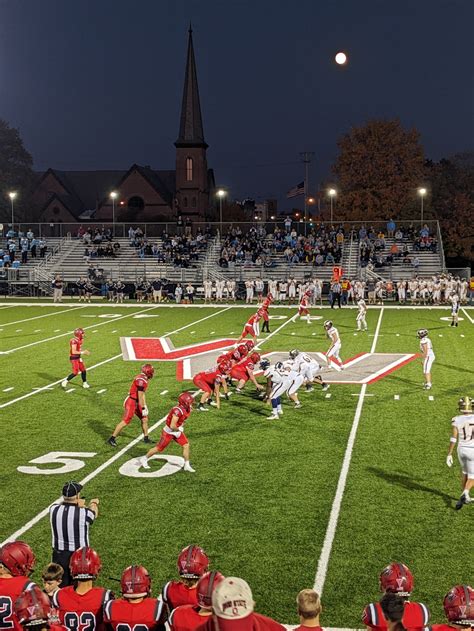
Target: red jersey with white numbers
{"x":82,"y":612}
{"x":150,"y":614}
{"x":176,"y":593}
{"x":10,"y":589}
{"x":75,"y":346}
{"x":180,"y":412}
{"x":415,"y":617}
{"x":186,"y":618}
{"x":140,"y":383}
{"x":211,"y":377}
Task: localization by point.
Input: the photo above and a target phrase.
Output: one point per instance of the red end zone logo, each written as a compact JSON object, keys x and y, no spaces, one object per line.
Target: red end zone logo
{"x":363,"y":368}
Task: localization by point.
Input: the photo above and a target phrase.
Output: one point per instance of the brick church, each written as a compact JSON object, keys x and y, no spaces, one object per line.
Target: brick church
{"x":144,"y":194}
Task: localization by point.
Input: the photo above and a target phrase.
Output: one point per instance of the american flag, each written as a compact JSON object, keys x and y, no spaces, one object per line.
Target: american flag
{"x":296,"y":190}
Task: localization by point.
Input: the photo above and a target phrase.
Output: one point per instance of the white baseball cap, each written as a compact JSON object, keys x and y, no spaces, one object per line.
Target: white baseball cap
{"x":232,"y":602}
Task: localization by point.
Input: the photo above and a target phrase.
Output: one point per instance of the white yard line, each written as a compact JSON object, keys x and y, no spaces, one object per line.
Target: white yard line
{"x":55,"y":337}
{"x":471,"y":320}
{"x":196,"y":322}
{"x":292,"y":319}
{"x":341,"y":485}
{"x":46,"y":315}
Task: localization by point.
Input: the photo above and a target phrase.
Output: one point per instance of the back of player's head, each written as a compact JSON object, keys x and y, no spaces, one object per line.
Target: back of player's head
{"x":85,"y":564}
{"x":52,"y":572}
{"x":249,"y":344}
{"x":79,"y":333}
{"x":135,"y":582}
{"x":393,"y":607}
{"x":396,"y":578}
{"x":309,"y":604}
{"x":459,"y":605}
{"x":186,"y":400}
{"x":242,"y":349}
{"x":17,"y":558}
{"x":205,"y":587}
{"x":192,"y":562}
{"x":32,"y":608}
{"x":255,"y":357}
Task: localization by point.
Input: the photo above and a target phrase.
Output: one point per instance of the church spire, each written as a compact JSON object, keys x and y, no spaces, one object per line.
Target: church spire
{"x":191,"y":132}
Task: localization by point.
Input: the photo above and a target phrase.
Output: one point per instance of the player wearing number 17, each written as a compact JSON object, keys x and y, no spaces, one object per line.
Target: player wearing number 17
{"x":75,"y":357}
{"x":463,"y":435}
{"x":135,"y":404}
{"x":174,"y":430}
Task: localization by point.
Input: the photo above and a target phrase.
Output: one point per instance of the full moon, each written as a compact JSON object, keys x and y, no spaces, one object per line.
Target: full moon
{"x":341,"y":58}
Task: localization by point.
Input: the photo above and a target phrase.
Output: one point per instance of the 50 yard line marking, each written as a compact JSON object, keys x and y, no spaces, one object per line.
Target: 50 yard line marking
{"x":323,"y":562}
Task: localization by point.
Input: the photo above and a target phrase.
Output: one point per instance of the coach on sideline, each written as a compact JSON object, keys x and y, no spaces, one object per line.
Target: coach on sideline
{"x":70,"y":521}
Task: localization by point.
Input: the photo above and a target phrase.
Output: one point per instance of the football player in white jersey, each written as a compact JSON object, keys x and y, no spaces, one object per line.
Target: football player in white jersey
{"x":334,"y":348}
{"x":428,"y":356}
{"x":309,"y":368}
{"x":277,"y":377}
{"x":454,"y":300}
{"x":361,"y":313}
{"x":207,"y":290}
{"x":463,"y":436}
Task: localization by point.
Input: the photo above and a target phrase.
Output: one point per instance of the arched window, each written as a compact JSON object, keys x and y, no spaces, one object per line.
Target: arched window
{"x":185,"y":202}
{"x":193,"y":202}
{"x":189,"y":169}
{"x":136,"y":203}
{"x":56,"y":210}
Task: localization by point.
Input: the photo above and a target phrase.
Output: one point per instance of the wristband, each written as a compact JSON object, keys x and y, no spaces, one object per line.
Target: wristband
{"x":453,"y":440}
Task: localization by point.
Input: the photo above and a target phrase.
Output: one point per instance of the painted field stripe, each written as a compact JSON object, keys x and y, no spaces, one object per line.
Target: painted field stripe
{"x":471,"y":320}
{"x":431,"y":398}
{"x":102,"y":391}
{"x":323,"y":562}
{"x":396,"y":397}
{"x":328,"y":395}
{"x":186,"y":326}
{"x":18,"y":330}
{"x":55,"y":337}
{"x":70,"y":390}
{"x":164,"y":392}
{"x":6,"y":306}
{"x":9,"y":389}
{"x":45,"y":315}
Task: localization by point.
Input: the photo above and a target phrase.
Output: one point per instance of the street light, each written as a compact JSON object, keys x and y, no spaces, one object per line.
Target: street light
{"x":422,"y":192}
{"x":113,"y":197}
{"x":332,"y":193}
{"x":221,"y":193}
{"x":12,"y":196}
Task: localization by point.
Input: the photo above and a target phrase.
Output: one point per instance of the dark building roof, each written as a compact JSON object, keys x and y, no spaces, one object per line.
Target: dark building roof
{"x":191,"y":132}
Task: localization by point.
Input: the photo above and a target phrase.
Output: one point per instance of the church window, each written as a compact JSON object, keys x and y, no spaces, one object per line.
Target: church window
{"x":185,"y":202}
{"x":136,"y":203}
{"x":193,"y":202}
{"x":189,"y":169}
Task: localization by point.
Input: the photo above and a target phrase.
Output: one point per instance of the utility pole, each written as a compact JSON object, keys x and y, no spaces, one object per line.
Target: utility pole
{"x":306,"y":157}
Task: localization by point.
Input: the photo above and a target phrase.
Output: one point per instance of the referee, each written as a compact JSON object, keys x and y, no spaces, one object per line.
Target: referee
{"x":70,"y":522}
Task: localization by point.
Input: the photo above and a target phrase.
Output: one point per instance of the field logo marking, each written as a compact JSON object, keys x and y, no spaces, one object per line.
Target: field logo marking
{"x":162,"y":349}
{"x":172,"y":465}
{"x":69,"y":460}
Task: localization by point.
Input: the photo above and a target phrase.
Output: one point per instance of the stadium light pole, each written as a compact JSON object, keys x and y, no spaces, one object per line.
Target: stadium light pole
{"x":113,"y":197}
{"x":12,"y":196}
{"x":221,"y":193}
{"x":422,"y":192}
{"x":332,"y":193}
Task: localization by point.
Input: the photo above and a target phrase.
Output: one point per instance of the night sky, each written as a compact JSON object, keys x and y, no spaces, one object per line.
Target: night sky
{"x":97,"y":84}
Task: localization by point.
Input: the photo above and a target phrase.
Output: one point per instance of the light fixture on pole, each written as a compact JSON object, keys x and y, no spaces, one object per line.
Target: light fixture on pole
{"x":422,"y":192}
{"x":12,"y":196}
{"x":221,"y":193}
{"x":332,"y":193}
{"x":113,"y":197}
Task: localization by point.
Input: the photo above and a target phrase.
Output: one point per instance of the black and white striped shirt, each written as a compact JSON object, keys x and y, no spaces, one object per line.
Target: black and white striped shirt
{"x":70,"y":526}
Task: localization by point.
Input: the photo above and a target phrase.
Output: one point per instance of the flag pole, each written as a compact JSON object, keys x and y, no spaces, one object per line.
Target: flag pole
{"x":306,"y":156}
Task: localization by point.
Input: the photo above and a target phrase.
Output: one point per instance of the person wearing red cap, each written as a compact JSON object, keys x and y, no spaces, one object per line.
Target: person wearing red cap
{"x":309,"y":609}
{"x":233,"y":609}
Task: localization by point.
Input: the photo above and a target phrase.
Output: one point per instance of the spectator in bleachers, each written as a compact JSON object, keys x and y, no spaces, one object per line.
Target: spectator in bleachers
{"x":30,"y":235}
{"x":390,"y":228}
{"x":309,"y":610}
{"x":33,"y":247}
{"x":42,"y":248}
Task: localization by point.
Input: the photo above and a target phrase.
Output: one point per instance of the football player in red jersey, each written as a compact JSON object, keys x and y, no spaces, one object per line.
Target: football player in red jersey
{"x":243,"y":371}
{"x":16,"y":564}
{"x":303,"y":310}
{"x":266,"y":318}
{"x":174,"y":430}
{"x":193,"y":562}
{"x":397,"y":579}
{"x":135,"y":404}
{"x":191,"y":617}
{"x":309,"y":610}
{"x":459,"y":609}
{"x":252,"y":327}
{"x":136,"y":610}
{"x":75,"y":356}
{"x":33,"y":611}
{"x":210,"y":381}
{"x":80,"y":606}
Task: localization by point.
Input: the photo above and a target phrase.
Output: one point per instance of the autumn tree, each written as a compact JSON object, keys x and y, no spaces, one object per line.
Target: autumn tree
{"x":378,"y":169}
{"x":16,"y":172}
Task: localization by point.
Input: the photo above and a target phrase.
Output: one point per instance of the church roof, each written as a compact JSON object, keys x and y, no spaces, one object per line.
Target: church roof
{"x":191,"y":132}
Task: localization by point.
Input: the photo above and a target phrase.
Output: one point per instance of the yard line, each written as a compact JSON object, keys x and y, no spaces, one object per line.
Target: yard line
{"x":9,"y":389}
{"x":70,"y":390}
{"x":18,"y":330}
{"x":431,"y":398}
{"x":102,"y":391}
{"x":55,"y":337}
{"x":186,"y":326}
{"x":45,"y":315}
{"x":292,"y":319}
{"x":164,"y":392}
{"x":7,"y":306}
{"x":328,"y":395}
{"x":341,"y":485}
{"x":396,"y":397}
{"x":471,"y":320}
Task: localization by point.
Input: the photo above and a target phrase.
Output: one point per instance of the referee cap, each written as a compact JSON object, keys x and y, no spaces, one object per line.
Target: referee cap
{"x":70,"y":489}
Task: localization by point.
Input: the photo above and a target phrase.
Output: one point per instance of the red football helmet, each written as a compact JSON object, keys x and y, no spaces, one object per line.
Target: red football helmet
{"x":459,"y":605}
{"x":221,"y":358}
{"x":148,"y":370}
{"x":79,"y":333}
{"x":186,"y":400}
{"x":135,"y":582}
{"x":398,"y":579}
{"x":205,"y":587}
{"x":32,"y":607}
{"x":249,"y":344}
{"x":192,"y":562}
{"x":85,"y":564}
{"x":224,"y":367}
{"x":308,"y":292}
{"x":255,"y":357}
{"x":18,"y":558}
{"x":243,"y":350}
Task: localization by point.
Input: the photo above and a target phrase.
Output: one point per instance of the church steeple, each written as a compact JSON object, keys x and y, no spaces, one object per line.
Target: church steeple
{"x":191,"y":132}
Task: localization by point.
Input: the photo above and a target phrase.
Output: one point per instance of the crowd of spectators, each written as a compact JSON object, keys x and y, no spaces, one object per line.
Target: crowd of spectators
{"x":18,"y":247}
{"x":178,"y":250}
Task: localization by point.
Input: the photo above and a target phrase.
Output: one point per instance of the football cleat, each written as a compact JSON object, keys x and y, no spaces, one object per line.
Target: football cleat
{"x":146,"y":439}
{"x":112,"y":442}
{"x":187,"y":467}
{"x":64,"y":383}
{"x":85,"y":385}
{"x":461,"y":501}
{"x":202,"y":408}
{"x":326,"y":386}
{"x":273,"y":417}
{"x":144,"y":462}
{"x":213,"y":403}
{"x":298,"y":405}
{"x":309,"y":388}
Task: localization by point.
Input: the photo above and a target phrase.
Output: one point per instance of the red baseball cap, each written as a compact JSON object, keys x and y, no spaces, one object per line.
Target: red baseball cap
{"x":232,"y":603}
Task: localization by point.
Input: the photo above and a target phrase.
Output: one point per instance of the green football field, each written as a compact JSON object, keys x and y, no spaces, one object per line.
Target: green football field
{"x":352,"y":481}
